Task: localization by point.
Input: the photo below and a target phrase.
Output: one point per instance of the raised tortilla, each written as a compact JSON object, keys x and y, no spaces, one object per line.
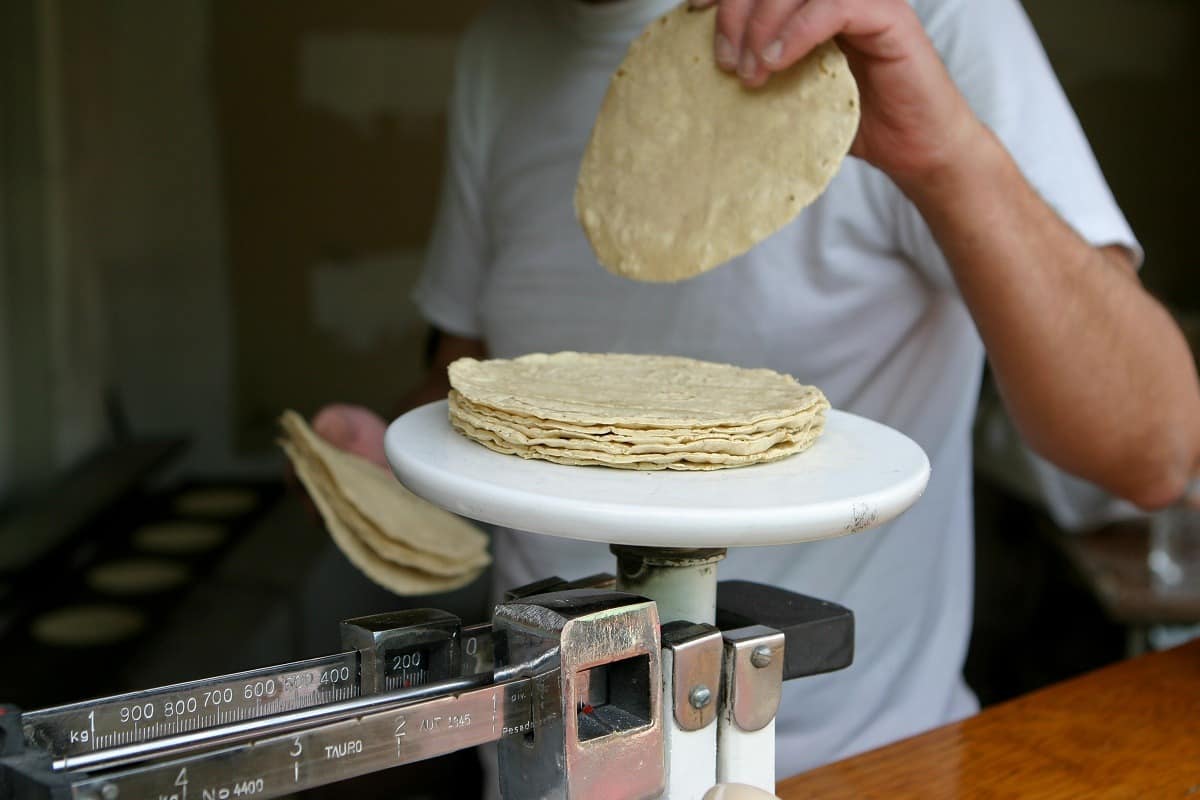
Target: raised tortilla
{"x":686,"y":168}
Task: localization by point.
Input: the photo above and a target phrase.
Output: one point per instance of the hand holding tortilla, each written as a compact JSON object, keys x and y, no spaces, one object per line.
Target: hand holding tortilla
{"x":915,"y":121}
{"x":687,"y":169}
{"x":400,"y":541}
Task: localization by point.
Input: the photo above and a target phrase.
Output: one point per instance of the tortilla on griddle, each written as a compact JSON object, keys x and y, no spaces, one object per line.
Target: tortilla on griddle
{"x":87,"y":625}
{"x":133,"y":576}
{"x":179,"y":537}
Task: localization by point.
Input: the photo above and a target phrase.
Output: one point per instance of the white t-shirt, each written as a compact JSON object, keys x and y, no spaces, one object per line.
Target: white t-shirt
{"x":853,"y":296}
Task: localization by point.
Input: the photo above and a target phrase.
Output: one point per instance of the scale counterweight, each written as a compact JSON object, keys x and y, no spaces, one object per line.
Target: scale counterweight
{"x":137,"y":717}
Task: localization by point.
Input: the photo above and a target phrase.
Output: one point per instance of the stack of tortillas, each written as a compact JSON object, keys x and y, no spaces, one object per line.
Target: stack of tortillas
{"x":400,"y":541}
{"x":633,"y":411}
{"x":686,"y":168}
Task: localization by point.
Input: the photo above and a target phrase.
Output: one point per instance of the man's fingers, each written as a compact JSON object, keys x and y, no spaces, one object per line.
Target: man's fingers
{"x":817,"y":21}
{"x":812,"y":23}
{"x":765,"y":27}
{"x":333,"y":424}
{"x":762,"y":48}
{"x":731,"y":27}
{"x":757,"y":37}
{"x":354,"y":429}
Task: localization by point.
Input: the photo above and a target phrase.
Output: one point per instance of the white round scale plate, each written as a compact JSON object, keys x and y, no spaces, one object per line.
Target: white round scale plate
{"x":858,"y":474}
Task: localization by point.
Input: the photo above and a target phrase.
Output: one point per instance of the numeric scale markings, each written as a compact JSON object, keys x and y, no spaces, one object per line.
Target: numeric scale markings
{"x":238,"y":714}
{"x":186,"y":707}
{"x":274,"y":765}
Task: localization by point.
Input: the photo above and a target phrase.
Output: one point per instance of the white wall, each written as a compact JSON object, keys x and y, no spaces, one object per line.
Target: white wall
{"x":52,"y":366}
{"x":5,"y":381}
{"x":145,"y":155}
{"x":73,"y":302}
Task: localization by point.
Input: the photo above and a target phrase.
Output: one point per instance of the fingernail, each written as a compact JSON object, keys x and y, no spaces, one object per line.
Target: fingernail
{"x":748,"y":66}
{"x":773,"y":52}
{"x":726,"y":55}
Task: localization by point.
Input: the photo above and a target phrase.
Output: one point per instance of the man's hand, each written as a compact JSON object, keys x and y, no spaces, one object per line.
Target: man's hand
{"x":359,"y":430}
{"x":1070,"y":333}
{"x":914,"y":119}
{"x":354,"y":429}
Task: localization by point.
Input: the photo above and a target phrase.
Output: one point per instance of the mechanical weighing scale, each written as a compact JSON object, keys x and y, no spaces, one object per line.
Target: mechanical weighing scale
{"x":659,"y":682}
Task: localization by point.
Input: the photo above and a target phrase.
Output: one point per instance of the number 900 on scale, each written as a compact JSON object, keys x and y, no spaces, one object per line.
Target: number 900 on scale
{"x":173,"y":708}
{"x":216,"y":698}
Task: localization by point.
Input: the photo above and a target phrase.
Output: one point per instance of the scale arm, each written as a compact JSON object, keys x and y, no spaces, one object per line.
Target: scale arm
{"x":818,"y":635}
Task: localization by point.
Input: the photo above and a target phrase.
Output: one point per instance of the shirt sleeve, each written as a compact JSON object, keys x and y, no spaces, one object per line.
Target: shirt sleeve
{"x":448,"y":290}
{"x":993,"y":54}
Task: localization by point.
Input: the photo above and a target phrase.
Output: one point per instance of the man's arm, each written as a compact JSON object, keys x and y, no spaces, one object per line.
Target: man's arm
{"x":1094,"y":372}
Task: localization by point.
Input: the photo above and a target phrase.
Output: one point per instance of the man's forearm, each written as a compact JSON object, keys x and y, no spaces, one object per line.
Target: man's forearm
{"x":1095,"y":373}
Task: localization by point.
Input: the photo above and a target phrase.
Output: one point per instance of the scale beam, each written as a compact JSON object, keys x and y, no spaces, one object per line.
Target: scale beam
{"x":568,"y":679}
{"x":315,"y":752}
{"x":128,"y":719}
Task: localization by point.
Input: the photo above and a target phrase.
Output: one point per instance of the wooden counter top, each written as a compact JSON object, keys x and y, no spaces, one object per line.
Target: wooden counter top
{"x":1131,"y":730}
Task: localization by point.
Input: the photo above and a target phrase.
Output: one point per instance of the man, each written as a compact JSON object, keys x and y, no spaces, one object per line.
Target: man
{"x":973,"y":216}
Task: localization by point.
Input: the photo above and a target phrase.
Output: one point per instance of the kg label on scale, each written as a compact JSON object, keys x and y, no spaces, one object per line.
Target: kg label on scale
{"x":80,"y":728}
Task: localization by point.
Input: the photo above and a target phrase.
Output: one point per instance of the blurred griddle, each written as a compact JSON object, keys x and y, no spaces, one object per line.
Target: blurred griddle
{"x":50,"y":524}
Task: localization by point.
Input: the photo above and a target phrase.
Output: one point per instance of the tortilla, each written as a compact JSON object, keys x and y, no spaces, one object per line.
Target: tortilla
{"x":628,"y":434}
{"x":179,"y":537}
{"x":633,"y":391}
{"x":673,"y":461}
{"x":523,"y":435}
{"x":633,"y":411}
{"x":390,"y":548}
{"x":132,"y":576}
{"x":687,"y":169}
{"x":398,"y":540}
{"x":87,"y":625}
{"x":378,"y":496}
{"x":388,"y":574}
